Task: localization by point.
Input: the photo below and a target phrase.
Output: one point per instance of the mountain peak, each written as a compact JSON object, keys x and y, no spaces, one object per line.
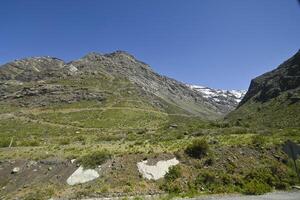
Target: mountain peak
{"x":230,"y":98}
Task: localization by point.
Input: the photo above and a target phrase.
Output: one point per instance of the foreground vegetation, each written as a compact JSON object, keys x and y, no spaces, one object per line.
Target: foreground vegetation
{"x":215,"y":157}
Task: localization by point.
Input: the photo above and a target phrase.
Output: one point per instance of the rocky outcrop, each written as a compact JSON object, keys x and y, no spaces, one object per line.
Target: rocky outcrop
{"x":156,"y":171}
{"x":82,"y":175}
{"x":270,"y":85}
{"x":273,"y":99}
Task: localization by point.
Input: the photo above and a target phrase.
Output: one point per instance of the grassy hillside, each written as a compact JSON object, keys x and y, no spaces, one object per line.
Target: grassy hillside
{"x":279,"y":112}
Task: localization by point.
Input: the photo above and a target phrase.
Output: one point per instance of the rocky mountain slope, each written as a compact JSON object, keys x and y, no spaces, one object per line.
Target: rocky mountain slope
{"x":226,"y":99}
{"x":273,"y":99}
{"x":41,"y":81}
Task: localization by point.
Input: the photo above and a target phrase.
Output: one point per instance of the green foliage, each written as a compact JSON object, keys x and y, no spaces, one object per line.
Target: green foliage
{"x":198,"y":148}
{"x":255,"y":187}
{"x":275,"y":175}
{"x":173,"y":173}
{"x":206,"y":178}
{"x":29,"y":143}
{"x":218,"y":182}
{"x":94,"y":159}
{"x":4,"y":142}
{"x":176,"y":186}
{"x":258,"y":140}
{"x":278,"y":112}
{"x":64,"y":141}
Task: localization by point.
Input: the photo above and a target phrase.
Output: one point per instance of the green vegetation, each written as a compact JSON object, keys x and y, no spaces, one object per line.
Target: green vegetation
{"x":198,"y":148}
{"x":279,"y":112}
{"x":127,"y":126}
{"x":173,"y":173}
{"x":94,"y":159}
{"x":255,"y":187}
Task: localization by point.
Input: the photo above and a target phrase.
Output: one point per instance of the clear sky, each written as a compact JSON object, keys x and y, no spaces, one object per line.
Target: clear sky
{"x":218,"y":43}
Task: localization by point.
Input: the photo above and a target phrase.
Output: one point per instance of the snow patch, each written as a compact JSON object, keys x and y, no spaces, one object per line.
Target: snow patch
{"x":157,"y":171}
{"x":219,"y":95}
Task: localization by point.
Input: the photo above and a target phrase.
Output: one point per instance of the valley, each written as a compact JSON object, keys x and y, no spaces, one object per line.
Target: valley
{"x":108,"y":112}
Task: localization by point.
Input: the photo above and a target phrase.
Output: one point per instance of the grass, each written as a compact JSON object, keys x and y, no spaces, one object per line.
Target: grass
{"x":94,"y":159}
{"x":127,"y":126}
{"x":278,"y":113}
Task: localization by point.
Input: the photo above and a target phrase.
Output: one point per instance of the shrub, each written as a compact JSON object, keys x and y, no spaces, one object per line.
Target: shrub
{"x":205,"y":177}
{"x":177,"y":186}
{"x":4,"y":142}
{"x":94,"y":159}
{"x":209,"y":161}
{"x":258,"y":140}
{"x":255,"y":187}
{"x":198,"y":148}
{"x":263,"y":175}
{"x":173,"y":173}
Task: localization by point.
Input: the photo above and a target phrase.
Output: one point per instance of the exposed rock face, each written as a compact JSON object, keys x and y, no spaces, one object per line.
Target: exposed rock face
{"x":270,"y":85}
{"x":31,"y":69}
{"x":82,"y":176}
{"x":33,"y":82}
{"x":273,"y":99}
{"x":156,"y":171}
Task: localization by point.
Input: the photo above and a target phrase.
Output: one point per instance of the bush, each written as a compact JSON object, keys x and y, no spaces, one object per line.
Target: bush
{"x":198,"y":148}
{"x":255,"y":187}
{"x":218,"y":182}
{"x":276,"y":175}
{"x":4,"y":142}
{"x":94,"y":159}
{"x":258,"y":140}
{"x":177,"y":186}
{"x":173,"y":173}
{"x":206,"y":177}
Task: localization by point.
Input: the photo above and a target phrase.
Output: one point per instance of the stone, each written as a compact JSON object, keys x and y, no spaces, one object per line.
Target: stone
{"x":82,"y":175}
{"x":15,"y":170}
{"x":157,"y":171}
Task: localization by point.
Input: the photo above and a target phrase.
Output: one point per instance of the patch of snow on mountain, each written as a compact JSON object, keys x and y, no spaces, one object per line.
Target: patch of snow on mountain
{"x":226,"y":97}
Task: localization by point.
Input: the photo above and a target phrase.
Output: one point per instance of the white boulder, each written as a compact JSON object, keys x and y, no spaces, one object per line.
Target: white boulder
{"x":157,"y":171}
{"x":15,"y":170}
{"x":82,"y":175}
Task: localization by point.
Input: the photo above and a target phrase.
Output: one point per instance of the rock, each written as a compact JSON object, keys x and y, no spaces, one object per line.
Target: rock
{"x":173,"y":126}
{"x":296,"y":187}
{"x":15,"y":170}
{"x":82,"y":175}
{"x":157,"y":171}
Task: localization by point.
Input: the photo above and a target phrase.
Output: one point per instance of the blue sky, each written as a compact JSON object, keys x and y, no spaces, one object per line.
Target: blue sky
{"x":218,"y":43}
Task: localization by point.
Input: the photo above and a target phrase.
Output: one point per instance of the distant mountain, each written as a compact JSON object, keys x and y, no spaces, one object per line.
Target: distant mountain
{"x":273,"y":99}
{"x":117,"y":76}
{"x":226,"y":99}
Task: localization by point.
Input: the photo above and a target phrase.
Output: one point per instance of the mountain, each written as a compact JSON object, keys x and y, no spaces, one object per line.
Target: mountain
{"x":273,"y":99}
{"x":116,"y":78}
{"x":224,"y":99}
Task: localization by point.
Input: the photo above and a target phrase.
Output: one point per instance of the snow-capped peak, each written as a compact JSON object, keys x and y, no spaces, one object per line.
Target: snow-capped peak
{"x":225,"y":97}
